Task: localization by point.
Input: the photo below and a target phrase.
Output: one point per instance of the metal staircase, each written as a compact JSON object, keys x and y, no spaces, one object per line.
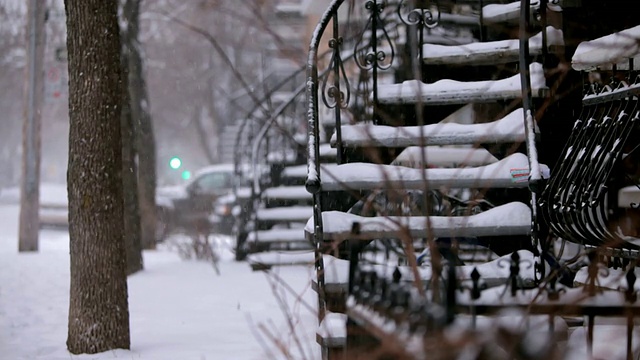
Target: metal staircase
{"x":414,"y":119}
{"x":270,"y":232}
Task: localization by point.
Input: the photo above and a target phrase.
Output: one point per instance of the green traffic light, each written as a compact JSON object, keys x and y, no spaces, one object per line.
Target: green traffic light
{"x":175,"y":163}
{"x":186,"y":175}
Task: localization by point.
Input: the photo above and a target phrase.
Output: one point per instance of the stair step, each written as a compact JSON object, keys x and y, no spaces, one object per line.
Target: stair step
{"x":446,"y":157}
{"x":508,"y":129}
{"x":509,"y":219}
{"x":447,"y":39}
{"x":296,"y":172}
{"x":492,"y":273}
{"x":243,"y":192}
{"x":610,"y":49}
{"x":614,"y":279}
{"x":278,"y":236}
{"x":445,"y":92}
{"x":488,"y":53}
{"x":267,"y":260}
{"x":501,"y":13}
{"x":286,"y":193}
{"x":54,"y":215}
{"x":285,"y":214}
{"x":327,"y":152}
{"x":332,"y":331}
{"x":510,"y":172}
{"x":289,"y":156}
{"x":627,"y":196}
{"x":609,"y":341}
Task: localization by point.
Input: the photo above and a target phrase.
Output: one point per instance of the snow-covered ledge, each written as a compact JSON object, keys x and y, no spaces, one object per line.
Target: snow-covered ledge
{"x":610,"y":49}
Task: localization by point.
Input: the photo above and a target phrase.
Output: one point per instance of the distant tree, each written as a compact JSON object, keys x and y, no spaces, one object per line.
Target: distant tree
{"x":98,"y":307}
{"x":12,"y":60}
{"x":145,"y":146}
{"x":132,"y":224}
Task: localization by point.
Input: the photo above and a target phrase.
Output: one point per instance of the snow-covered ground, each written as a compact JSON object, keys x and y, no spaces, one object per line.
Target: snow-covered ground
{"x":179,"y":309}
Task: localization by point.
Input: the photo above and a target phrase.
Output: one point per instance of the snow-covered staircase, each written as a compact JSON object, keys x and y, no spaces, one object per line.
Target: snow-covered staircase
{"x":283,"y":207}
{"x":278,"y":238}
{"x":428,"y":154}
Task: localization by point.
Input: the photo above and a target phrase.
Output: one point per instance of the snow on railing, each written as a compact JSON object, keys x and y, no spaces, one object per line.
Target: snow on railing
{"x":313,"y":178}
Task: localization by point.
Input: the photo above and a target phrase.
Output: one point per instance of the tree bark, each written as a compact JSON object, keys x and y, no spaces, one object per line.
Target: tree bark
{"x":132,"y":227}
{"x":203,"y":137}
{"x":98,"y":307}
{"x":144,"y":142}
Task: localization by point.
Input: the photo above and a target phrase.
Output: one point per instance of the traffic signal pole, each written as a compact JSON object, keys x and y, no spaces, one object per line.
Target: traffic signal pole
{"x":31,"y":138}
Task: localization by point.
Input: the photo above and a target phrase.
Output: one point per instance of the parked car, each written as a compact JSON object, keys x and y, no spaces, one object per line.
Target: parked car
{"x":188,"y":207}
{"x":194,"y":206}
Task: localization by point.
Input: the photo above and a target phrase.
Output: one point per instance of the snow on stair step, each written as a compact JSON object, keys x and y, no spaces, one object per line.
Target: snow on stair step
{"x":295,"y":172}
{"x":283,"y":214}
{"x":277,"y":235}
{"x":492,"y":273}
{"x":628,"y":196}
{"x":327,"y":152}
{"x":510,"y":172}
{"x":332,"y":331}
{"x":491,"y":52}
{"x":509,"y":219}
{"x":54,"y":215}
{"x":284,"y":156}
{"x":447,"y":157}
{"x":613,"y":279}
{"x":444,"y":92}
{"x":610,"y":49}
{"x":266,"y":260}
{"x":243,"y":192}
{"x":500,"y":13}
{"x":508,"y":129}
{"x":286,"y":193}
{"x":609,"y":342}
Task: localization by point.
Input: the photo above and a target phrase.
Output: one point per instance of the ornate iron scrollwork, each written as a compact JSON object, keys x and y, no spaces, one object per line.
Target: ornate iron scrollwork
{"x":418,"y":14}
{"x":338,"y":94}
{"x":369,"y":49}
{"x":514,"y":262}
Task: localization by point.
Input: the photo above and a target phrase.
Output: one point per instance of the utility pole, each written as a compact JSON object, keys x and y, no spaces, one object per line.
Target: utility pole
{"x":31,"y":138}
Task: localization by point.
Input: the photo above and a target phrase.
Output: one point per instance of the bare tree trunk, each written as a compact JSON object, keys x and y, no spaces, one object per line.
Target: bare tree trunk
{"x":203,"y":137}
{"x":144,"y":142}
{"x":132,"y":232}
{"x":98,"y":307}
{"x":31,"y":145}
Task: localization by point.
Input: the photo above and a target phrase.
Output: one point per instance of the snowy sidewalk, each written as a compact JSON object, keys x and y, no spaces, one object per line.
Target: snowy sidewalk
{"x":178,"y":309}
